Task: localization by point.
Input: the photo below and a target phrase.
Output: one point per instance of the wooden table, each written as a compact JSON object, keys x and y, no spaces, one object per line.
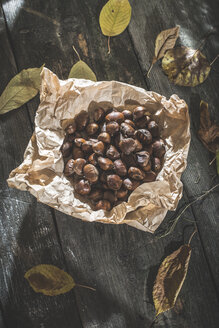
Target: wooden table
{"x":119,"y":261}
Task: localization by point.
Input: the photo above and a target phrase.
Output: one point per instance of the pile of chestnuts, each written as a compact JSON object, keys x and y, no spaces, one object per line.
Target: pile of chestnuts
{"x":109,"y":154}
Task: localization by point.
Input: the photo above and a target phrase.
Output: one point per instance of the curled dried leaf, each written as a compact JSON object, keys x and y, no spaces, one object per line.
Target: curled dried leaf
{"x":185,"y":66}
{"x":165,"y":40}
{"x":49,"y":280}
{"x":22,"y":87}
{"x":170,"y":278}
{"x":208,"y":131}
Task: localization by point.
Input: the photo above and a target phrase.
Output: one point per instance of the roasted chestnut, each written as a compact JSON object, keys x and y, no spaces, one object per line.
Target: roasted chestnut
{"x":71,"y":128}
{"x":81,"y":120}
{"x":105,"y":163}
{"x":127,"y":145}
{"x":82,"y":187}
{"x":69,"y":170}
{"x":112,"y":153}
{"x":104,"y":137}
{"x":99,"y":114}
{"x":153,"y":128}
{"x":112,"y":128}
{"x":77,"y":152}
{"x":139,"y":112}
{"x":127,"y":130}
{"x":98,"y":148}
{"x":143,"y":158}
{"x":135,"y":173}
{"x":92,"y":128}
{"x":120,"y":168}
{"x":115,"y":117}
{"x":79,"y":141}
{"x":66,"y":149}
{"x":158,"y":148}
{"x":127,"y":114}
{"x":90,"y":173}
{"x":144,"y":136}
{"x":78,"y":166}
{"x":114,"y":181}
{"x":103,"y":205}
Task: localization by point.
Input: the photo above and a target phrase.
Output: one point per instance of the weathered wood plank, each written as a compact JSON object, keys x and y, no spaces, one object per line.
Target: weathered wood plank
{"x":120,"y":262}
{"x":196,"y":20}
{"x":28,"y":236}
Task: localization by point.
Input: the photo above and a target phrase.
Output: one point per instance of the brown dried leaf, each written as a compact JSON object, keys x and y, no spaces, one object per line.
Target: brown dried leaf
{"x":170,"y":278}
{"x":208,"y":132}
{"x":165,"y":40}
{"x":185,"y":66}
{"x":49,"y":280}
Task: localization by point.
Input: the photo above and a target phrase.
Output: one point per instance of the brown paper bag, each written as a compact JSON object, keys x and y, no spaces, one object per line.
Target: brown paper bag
{"x":41,"y":172}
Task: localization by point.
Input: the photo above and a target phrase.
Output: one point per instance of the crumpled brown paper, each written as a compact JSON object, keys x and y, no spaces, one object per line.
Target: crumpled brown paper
{"x":41,"y":172}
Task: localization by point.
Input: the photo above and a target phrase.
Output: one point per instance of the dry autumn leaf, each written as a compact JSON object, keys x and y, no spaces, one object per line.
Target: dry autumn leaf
{"x":170,"y":278}
{"x":165,"y":40}
{"x":49,"y":280}
{"x":208,"y":131}
{"x":185,"y":66}
{"x":22,"y":87}
{"x":115,"y":17}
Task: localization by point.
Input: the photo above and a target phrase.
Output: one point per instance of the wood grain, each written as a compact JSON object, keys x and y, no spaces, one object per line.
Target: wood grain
{"x":28,"y":235}
{"x":196,"y":20}
{"x":119,"y":261}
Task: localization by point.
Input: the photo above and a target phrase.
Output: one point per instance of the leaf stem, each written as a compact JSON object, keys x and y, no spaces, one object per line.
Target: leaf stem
{"x":214,"y":60}
{"x":150,"y":68}
{"x":194,"y":232}
{"x":88,"y":287}
{"x":109,"y":50}
{"x":211,"y":162}
{"x":79,"y":58}
{"x":185,"y":208}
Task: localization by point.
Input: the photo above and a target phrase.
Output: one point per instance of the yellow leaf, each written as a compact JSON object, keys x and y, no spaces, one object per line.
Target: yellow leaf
{"x":22,"y":87}
{"x":115,"y":17}
{"x":185,"y":66}
{"x":49,"y":280}
{"x":170,"y":278}
{"x":82,"y":71}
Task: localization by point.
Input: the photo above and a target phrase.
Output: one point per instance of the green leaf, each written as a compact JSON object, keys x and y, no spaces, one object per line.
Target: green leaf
{"x":115,"y":17}
{"x":49,"y":280}
{"x":82,"y":71}
{"x":22,"y":87}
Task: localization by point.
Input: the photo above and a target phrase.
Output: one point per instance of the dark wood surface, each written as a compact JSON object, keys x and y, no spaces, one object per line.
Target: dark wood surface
{"x":119,"y":261}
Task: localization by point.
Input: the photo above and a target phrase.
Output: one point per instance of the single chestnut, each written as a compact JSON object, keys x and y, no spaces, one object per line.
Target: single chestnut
{"x":93,"y":159}
{"x":78,"y":166}
{"x":87,"y":146}
{"x":82,"y":187}
{"x":139,"y":112}
{"x":158,"y":148}
{"x":144,"y":136}
{"x":141,"y":123}
{"x":115,"y":117}
{"x":98,"y":148}
{"x":92,"y":128}
{"x":105,"y":163}
{"x":104,"y":137}
{"x":77,"y":153}
{"x":81,"y":120}
{"x":156,"y":164}
{"x":112,"y":153}
{"x":91,"y":173}
{"x":66,"y":149}
{"x":127,"y":114}
{"x":99,"y":114}
{"x":114,"y":181}
{"x":129,"y":160}
{"x":71,"y":128}
{"x":121,"y":193}
{"x":143,"y":158}
{"x":110,"y":196}
{"x":149,"y":149}
{"x":153,"y":128}
{"x":69,"y":170}
{"x":127,"y":145}
{"x":103,"y":205}
{"x":112,"y":128}
{"x":129,"y":122}
{"x":120,"y":168}
{"x":135,"y":184}
{"x":127,"y":130}
{"x":103,"y":177}
{"x":96,"y":194}
{"x":79,"y":141}
{"x":135,"y":173}
{"x":150,"y":176}
{"x":128,"y":184}
{"x":147,"y":167}
{"x":138,"y":145}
